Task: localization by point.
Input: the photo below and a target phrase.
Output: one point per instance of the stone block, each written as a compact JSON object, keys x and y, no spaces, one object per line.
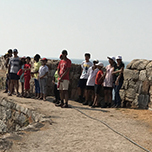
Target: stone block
{"x":140,"y":64}
{"x":131,"y":63}
{"x":125,"y":84}
{"x":122,"y":94}
{"x":138,"y":87}
{"x":143,"y":75}
{"x":131,"y":74}
{"x":143,"y":101}
{"x":130,"y":94}
{"x":145,"y":87}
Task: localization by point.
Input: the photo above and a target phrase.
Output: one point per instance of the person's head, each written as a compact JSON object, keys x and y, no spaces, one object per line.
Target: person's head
{"x":15,"y":52}
{"x":10,"y":52}
{"x":119,"y":59}
{"x":111,"y":60}
{"x":28,"y":59}
{"x":6,"y":56}
{"x":99,"y":65}
{"x":61,"y":57}
{"x":64,"y":54}
{"x":23,"y":60}
{"x":44,"y":61}
{"x":95,"y":62}
{"x":87,"y":56}
{"x":37,"y":57}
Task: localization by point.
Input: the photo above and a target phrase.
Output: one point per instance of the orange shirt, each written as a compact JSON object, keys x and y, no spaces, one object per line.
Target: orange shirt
{"x":98,"y":76}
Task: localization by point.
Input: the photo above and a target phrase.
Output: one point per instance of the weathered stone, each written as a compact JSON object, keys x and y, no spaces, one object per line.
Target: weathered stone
{"x":122,"y":94}
{"x":140,"y":64}
{"x":138,"y":87}
{"x":3,"y":126}
{"x":143,"y":101}
{"x":131,"y":74}
{"x":149,"y":65}
{"x":131,"y":84}
{"x":130,"y":94}
{"x":135,"y":103}
{"x":125,"y":84}
{"x":143,"y":75}
{"x":149,"y":74}
{"x":145,"y":87}
{"x":131,"y":63}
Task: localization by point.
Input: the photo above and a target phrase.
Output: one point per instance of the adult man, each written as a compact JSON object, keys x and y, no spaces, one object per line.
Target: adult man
{"x":13,"y":68}
{"x":63,"y":84}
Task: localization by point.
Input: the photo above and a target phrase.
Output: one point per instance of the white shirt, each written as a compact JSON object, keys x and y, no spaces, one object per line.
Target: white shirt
{"x":85,"y":66}
{"x":108,"y":81}
{"x":91,"y":76}
{"x":43,"y":70}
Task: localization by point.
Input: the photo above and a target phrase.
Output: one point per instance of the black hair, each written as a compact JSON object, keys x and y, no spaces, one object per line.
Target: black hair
{"x":65,"y":52}
{"x":37,"y":57}
{"x":10,"y":51}
{"x":87,"y":54}
{"x":28,"y":58}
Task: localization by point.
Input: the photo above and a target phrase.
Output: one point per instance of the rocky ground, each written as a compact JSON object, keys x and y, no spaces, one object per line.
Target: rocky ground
{"x":72,"y":131}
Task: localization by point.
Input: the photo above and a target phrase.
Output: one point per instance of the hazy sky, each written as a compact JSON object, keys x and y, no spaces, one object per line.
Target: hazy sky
{"x":101,"y":27}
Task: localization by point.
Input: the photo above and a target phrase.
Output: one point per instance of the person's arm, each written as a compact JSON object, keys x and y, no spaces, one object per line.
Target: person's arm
{"x":7,"y":62}
{"x":9,"y":67}
{"x":44,"y":75}
{"x":118,"y":78}
{"x":66,"y":71}
{"x":101,"y":78}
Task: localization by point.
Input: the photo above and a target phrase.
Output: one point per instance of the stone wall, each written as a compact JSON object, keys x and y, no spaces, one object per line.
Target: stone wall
{"x":52,"y":65}
{"x":14,"y":117}
{"x":136,"y":91}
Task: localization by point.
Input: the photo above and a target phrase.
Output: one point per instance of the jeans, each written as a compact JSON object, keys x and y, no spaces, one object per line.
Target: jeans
{"x":117,"y":100}
{"x":56,"y":93}
{"x":37,"y":86}
{"x":6,"y":82}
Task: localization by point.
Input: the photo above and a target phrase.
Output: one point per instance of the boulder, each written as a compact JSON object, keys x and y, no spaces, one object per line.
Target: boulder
{"x":143,"y":101}
{"x":131,"y":74}
{"x":145,"y":87}
{"x":130,"y":94}
{"x":143,"y":75}
{"x":149,"y":65}
{"x":131,"y":63}
{"x":140,"y":64}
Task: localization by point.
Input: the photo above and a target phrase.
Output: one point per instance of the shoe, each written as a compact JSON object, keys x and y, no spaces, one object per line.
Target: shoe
{"x":118,"y":106}
{"x":59,"y":104}
{"x":85,"y":103}
{"x":5,"y":91}
{"x":65,"y":106}
{"x":90,"y":103}
{"x":104,"y":106}
{"x":109,"y":105}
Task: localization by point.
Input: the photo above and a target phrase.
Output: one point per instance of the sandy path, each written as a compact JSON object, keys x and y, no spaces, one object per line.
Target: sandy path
{"x":74,"y":132}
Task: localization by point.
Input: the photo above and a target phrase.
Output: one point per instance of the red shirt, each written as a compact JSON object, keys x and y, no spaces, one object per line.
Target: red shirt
{"x":98,"y":76}
{"x":62,"y":67}
{"x":27,"y":72}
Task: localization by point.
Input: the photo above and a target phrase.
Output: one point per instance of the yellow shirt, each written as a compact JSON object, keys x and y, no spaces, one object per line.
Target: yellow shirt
{"x":36,"y":69}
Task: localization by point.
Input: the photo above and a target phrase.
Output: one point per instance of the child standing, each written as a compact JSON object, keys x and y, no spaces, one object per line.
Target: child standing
{"x":22,"y":75}
{"x":108,"y":82}
{"x":37,"y":65}
{"x":83,"y":78}
{"x":43,"y":72}
{"x":98,"y":82}
{"x":27,"y":76}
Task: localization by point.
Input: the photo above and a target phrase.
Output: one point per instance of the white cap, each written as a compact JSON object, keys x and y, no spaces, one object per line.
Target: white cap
{"x":119,"y":58}
{"x":100,"y":64}
{"x":111,"y":57}
{"x":95,"y":60}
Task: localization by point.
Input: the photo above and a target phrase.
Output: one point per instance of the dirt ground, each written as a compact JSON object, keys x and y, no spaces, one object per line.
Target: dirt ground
{"x":73,"y":132}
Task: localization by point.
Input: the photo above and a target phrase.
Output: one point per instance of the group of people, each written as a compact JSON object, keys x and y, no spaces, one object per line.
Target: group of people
{"x":93,"y":77}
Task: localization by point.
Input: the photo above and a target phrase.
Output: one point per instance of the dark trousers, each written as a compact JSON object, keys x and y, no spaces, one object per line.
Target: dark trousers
{"x":56,"y":93}
{"x":37,"y":86}
{"x":117,"y":95}
{"x":6,"y":82}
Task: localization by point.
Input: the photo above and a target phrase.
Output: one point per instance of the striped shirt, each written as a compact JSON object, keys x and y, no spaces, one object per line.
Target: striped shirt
{"x":14,"y":64}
